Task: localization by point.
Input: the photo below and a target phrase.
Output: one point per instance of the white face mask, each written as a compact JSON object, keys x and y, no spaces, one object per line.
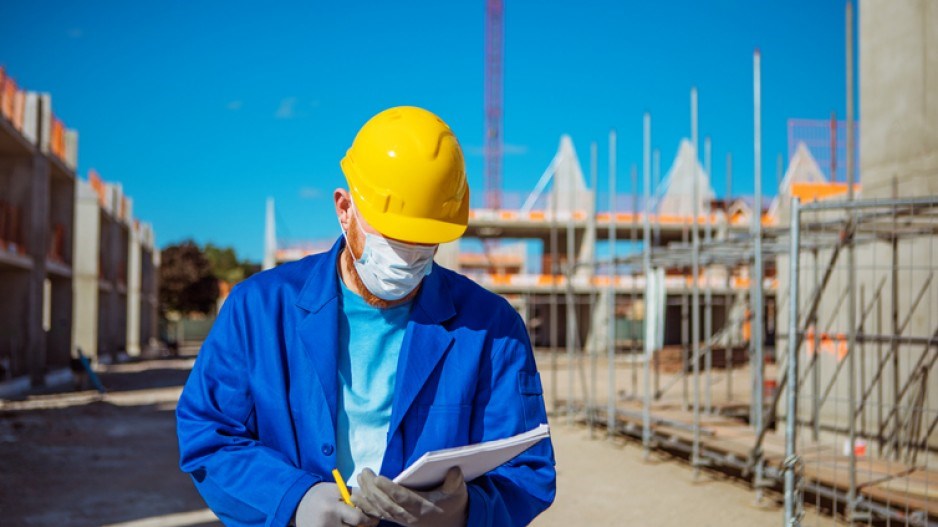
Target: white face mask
{"x":391,"y":269}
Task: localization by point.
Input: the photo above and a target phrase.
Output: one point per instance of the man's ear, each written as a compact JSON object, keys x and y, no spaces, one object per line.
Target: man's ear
{"x":343,"y":207}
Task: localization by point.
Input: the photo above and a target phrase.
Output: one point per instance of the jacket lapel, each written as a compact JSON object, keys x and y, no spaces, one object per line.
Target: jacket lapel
{"x":425,"y":343}
{"x":318,"y":331}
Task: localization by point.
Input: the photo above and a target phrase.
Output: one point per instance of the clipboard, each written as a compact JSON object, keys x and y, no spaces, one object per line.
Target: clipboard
{"x":474,"y":460}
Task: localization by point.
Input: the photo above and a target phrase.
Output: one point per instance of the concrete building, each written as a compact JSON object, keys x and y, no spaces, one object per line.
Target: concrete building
{"x":37,"y":188}
{"x":896,"y":297}
{"x":899,"y":97}
{"x":51,"y":250}
{"x":115,"y":273}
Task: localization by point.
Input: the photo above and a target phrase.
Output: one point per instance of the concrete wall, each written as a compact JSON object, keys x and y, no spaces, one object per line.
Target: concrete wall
{"x":898,"y":88}
{"x":881,"y":373}
{"x":898,"y":54}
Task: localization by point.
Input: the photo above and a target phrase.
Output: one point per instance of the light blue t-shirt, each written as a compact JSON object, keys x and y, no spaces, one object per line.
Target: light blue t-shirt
{"x":370,"y":341}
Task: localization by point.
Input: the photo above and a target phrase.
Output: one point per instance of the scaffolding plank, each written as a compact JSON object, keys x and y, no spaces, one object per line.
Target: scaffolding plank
{"x":916,"y":491}
{"x":834,"y":471}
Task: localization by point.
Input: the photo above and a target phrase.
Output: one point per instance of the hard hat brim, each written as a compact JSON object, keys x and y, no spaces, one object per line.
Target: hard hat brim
{"x":410,"y":229}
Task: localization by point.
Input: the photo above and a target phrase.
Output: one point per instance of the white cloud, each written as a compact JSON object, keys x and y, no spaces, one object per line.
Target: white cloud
{"x":310,"y":193}
{"x":235,"y":105}
{"x":287,"y":109}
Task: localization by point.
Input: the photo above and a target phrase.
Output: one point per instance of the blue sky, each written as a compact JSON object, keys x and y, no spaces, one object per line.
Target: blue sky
{"x":203,"y":109}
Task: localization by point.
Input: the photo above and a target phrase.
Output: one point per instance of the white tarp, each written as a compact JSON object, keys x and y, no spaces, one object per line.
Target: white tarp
{"x":678,"y":185}
{"x":569,"y":186}
{"x":655,"y":301}
{"x":802,"y":168}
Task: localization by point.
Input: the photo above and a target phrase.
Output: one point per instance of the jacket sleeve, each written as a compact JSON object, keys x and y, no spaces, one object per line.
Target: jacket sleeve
{"x":510,"y":401}
{"x":241,"y":480}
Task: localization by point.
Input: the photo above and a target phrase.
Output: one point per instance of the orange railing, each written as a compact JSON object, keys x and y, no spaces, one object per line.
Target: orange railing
{"x":672,"y":282}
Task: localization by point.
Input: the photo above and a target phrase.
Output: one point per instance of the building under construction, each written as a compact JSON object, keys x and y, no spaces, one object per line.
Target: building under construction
{"x":789,"y":343}
{"x":77,"y":270}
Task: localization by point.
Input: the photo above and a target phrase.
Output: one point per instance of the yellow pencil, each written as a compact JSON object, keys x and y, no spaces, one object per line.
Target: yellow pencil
{"x":343,"y":490}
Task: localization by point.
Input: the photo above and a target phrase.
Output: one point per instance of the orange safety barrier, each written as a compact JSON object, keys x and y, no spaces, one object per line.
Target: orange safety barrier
{"x":57,"y":139}
{"x":501,"y":279}
{"x":807,"y":192}
{"x":7,"y":94}
{"x":835,"y":345}
{"x":97,"y":184}
{"x":19,"y":105}
{"x":546,"y":279}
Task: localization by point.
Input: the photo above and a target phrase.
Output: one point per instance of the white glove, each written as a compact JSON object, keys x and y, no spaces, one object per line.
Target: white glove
{"x":322,"y":506}
{"x":444,"y":506}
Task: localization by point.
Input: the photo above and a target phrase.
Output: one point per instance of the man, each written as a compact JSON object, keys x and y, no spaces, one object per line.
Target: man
{"x":366,"y":357}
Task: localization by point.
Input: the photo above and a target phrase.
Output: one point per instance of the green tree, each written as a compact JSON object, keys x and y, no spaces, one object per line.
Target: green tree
{"x":226,"y":266}
{"x":187,"y":284}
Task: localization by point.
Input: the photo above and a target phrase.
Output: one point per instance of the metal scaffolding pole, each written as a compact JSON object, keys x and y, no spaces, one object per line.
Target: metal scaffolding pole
{"x":570,"y":299}
{"x":649,"y":340}
{"x":695,"y":287}
{"x":656,"y":173}
{"x":792,"y":502}
{"x":611,"y":341}
{"x":758,"y":361}
{"x":633,"y":345}
{"x":592,"y":350}
{"x":554,"y":319}
{"x":727,"y":302}
{"x":708,"y":293}
{"x":815,"y":364}
{"x":851,"y":275}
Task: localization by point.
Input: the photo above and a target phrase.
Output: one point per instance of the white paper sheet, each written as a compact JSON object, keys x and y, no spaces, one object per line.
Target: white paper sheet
{"x":474,"y":460}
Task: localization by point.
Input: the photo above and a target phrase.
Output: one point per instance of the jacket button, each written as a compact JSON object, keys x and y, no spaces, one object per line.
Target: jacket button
{"x":327,"y":449}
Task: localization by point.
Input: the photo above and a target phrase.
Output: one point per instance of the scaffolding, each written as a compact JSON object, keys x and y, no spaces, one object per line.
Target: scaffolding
{"x":855,"y":386}
{"x":862,"y":403}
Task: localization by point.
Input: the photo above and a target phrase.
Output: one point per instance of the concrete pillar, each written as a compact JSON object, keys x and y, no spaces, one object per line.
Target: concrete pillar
{"x":448,"y":255}
{"x":133,"y":293}
{"x":898,"y":97}
{"x":85,"y":269}
{"x":38,"y":236}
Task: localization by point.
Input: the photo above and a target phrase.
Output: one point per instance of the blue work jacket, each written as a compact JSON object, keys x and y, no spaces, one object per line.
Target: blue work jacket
{"x":257,"y":418}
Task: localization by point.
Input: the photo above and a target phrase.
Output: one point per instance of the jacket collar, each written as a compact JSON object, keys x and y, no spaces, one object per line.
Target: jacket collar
{"x":322,"y":285}
{"x":322,"y":282}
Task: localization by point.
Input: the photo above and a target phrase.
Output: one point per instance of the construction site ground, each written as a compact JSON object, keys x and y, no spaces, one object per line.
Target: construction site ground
{"x":81,"y":459}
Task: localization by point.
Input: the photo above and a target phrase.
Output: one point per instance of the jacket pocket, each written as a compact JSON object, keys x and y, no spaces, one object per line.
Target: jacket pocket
{"x":532,"y":398}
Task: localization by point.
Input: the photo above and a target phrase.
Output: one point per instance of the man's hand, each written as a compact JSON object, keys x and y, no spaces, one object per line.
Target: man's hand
{"x":322,"y":506}
{"x":444,"y":506}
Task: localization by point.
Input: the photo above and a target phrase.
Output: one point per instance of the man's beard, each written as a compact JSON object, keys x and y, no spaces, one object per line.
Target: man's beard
{"x":355,"y":246}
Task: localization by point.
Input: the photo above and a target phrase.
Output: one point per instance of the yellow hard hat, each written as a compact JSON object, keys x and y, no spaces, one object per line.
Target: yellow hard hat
{"x":407,"y":176}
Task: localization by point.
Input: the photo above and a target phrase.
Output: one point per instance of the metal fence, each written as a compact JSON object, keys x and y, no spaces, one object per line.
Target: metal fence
{"x":843,"y":422}
{"x":861,"y":401}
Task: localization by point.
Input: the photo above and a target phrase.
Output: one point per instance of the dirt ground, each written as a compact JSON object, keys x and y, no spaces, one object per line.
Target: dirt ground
{"x":81,"y":459}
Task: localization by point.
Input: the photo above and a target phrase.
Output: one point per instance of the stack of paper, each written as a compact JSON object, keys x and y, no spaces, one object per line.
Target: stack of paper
{"x":474,"y":460}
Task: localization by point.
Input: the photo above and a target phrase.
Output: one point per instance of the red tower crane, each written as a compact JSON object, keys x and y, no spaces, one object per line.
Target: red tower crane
{"x":494,"y":50}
